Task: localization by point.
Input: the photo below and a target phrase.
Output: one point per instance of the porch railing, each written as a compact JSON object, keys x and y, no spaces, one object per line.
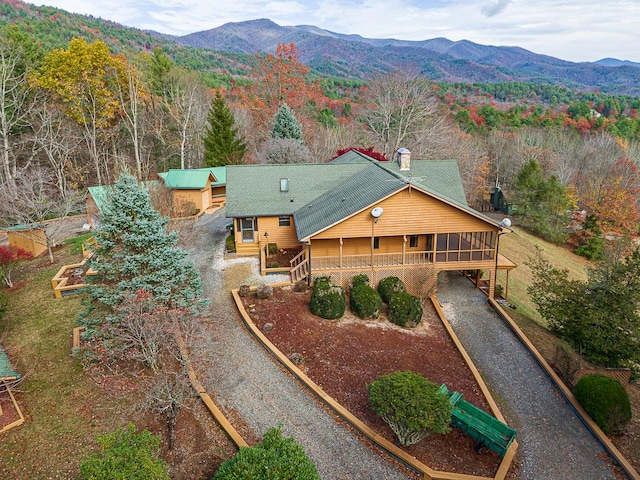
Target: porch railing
{"x":375,"y":260}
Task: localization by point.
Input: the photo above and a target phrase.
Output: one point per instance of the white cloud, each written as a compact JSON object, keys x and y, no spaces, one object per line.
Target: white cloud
{"x":494,"y":8}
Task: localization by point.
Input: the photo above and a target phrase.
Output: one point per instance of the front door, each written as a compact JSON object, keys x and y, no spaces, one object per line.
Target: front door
{"x":247,"y":226}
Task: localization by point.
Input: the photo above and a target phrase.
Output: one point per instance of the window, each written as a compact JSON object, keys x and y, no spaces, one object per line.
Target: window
{"x":413,"y":241}
{"x":284,"y":184}
{"x":376,"y":243}
{"x":284,"y":221}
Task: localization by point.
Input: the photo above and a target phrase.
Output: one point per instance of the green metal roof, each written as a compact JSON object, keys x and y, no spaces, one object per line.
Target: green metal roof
{"x":193,"y":179}
{"x":254,"y":190}
{"x":353,"y":156}
{"x":220,"y":174}
{"x":6,"y":370}
{"x":356,"y":192}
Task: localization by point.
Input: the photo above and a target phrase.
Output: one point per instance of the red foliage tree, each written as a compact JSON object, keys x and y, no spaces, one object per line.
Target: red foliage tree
{"x":9,"y":258}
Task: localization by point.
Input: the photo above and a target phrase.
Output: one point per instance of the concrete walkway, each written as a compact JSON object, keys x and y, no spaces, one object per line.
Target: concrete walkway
{"x":554,"y":444}
{"x":246,"y":380}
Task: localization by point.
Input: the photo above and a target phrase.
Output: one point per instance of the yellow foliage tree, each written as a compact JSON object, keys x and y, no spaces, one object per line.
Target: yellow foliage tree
{"x":85,"y":80}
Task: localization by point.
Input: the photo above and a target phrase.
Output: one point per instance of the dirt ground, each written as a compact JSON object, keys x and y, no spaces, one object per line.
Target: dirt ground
{"x":344,"y":356}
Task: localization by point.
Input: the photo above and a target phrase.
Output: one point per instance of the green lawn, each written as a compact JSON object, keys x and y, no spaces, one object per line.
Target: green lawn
{"x":64,"y":412}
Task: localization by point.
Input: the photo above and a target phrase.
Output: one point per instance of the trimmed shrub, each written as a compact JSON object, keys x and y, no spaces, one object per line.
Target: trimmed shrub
{"x":362,"y":279}
{"x":126,"y":453}
{"x":264,"y":291}
{"x":388,"y":286}
{"x":365,"y":301}
{"x":272,"y":264}
{"x":272,"y":248}
{"x":275,"y":458}
{"x":605,"y":400}
{"x":405,"y":309}
{"x":411,"y":405}
{"x":327,"y":301}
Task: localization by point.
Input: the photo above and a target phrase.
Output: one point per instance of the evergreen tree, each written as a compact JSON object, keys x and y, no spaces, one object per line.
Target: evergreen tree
{"x":134,"y":252}
{"x":286,"y":125}
{"x":222,"y":145}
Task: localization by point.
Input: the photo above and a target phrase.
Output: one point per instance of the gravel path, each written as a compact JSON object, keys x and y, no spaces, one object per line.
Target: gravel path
{"x":553,"y":443}
{"x":247,"y":380}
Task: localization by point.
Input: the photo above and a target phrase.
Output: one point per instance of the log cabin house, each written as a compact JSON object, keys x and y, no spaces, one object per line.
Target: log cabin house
{"x":358,"y":215}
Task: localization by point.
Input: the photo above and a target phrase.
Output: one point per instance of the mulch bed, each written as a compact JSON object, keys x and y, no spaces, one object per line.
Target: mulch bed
{"x":343,"y":356}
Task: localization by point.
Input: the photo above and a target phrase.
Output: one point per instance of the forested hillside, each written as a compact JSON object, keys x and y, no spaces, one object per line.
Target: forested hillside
{"x":86,"y":99}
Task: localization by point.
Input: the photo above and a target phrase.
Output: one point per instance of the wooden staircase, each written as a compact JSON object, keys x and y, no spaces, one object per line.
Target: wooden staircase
{"x":299,"y":267}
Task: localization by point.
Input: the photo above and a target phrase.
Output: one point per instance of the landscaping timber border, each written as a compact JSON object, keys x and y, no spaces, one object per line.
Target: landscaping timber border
{"x":360,"y":426}
{"x":599,"y":435}
{"x":20,"y":420}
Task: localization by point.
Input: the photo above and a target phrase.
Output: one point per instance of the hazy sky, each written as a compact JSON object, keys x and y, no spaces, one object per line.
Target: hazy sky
{"x":576,"y":30}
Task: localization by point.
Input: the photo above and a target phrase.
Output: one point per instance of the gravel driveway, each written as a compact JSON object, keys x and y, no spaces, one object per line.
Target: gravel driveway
{"x":553,"y":443}
{"x":248,"y":381}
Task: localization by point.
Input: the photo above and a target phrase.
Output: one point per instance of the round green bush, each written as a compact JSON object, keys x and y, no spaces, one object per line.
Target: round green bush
{"x":388,"y":286}
{"x":362,"y":279}
{"x":411,"y":405}
{"x":605,"y":400}
{"x":327,"y":301}
{"x":365,"y":301}
{"x":405,"y":309}
{"x":275,"y":458}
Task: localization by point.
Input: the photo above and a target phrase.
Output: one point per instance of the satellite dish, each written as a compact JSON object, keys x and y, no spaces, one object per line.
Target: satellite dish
{"x":506,"y":223}
{"x":376,"y":212}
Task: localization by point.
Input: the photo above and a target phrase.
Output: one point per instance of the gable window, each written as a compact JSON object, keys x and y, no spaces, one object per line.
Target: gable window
{"x":413,"y":241}
{"x":376,"y":243}
{"x":284,"y":221}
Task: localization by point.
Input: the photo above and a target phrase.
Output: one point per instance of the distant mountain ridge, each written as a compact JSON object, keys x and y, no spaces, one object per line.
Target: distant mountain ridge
{"x":440,"y":59}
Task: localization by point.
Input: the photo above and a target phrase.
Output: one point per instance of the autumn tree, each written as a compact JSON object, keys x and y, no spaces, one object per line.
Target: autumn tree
{"x":18,"y":58}
{"x":222,"y":143}
{"x":132,"y":95}
{"x":282,"y":78}
{"x":185,"y":100}
{"x":399,"y":108}
{"x":10,"y":257}
{"x":613,"y":203}
{"x":83,"y":79}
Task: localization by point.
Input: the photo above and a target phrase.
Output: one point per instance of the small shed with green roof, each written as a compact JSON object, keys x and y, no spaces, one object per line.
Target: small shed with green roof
{"x":196,"y":189}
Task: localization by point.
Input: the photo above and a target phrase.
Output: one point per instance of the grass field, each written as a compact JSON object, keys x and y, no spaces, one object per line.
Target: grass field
{"x":64,"y":410}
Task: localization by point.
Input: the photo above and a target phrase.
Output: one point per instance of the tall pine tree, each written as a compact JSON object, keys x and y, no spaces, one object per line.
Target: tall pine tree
{"x":134,"y":252}
{"x":222,"y":145}
{"x":286,"y":125}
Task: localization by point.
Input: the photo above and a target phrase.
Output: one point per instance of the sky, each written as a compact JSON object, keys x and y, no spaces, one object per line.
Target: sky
{"x":574,"y":30}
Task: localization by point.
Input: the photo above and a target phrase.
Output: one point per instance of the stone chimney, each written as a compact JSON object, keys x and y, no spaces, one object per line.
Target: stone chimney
{"x":403,"y":156}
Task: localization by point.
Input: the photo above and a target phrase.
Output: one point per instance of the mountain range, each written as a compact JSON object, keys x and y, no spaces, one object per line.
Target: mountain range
{"x":440,"y":59}
{"x":230,"y":49}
